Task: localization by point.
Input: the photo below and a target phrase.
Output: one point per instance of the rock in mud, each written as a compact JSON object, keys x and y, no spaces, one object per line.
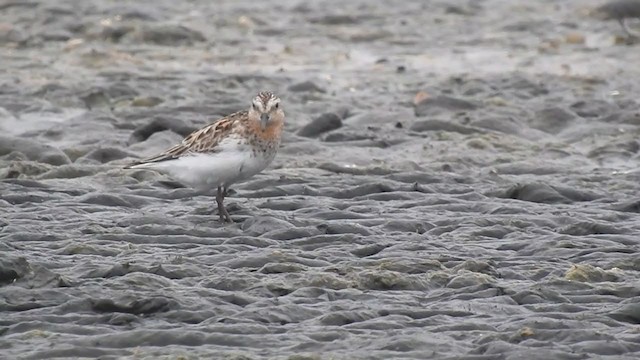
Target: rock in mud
{"x":323,"y":123}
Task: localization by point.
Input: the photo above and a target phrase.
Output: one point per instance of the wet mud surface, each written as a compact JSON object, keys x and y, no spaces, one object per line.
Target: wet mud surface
{"x":458,"y":180}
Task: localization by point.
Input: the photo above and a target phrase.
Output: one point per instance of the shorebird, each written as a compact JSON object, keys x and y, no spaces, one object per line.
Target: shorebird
{"x":228,"y":151}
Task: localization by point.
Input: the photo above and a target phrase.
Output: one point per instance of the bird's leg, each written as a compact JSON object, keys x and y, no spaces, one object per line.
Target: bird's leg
{"x":224,"y":215}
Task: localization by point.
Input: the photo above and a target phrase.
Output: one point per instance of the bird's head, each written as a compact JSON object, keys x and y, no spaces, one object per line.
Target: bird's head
{"x":265,"y":109}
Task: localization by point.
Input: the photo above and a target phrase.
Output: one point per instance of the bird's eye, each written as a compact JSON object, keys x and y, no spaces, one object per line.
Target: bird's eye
{"x":277,"y":105}
{"x":255,"y":107}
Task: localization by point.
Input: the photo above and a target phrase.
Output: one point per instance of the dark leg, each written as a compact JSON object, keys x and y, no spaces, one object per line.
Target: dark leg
{"x":224,"y":215}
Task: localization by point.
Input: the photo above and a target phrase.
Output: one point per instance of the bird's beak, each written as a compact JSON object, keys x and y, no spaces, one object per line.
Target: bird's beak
{"x":264,"y":119}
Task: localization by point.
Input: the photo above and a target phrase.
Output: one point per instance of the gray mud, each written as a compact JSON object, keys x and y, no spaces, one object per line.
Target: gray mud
{"x":458,"y":180}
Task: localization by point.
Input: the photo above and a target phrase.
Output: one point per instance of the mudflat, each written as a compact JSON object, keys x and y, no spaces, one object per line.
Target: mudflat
{"x":457,"y":180}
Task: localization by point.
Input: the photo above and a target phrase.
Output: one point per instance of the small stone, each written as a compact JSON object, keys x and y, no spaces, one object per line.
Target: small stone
{"x":459,"y":10}
{"x":17,"y":169}
{"x":368,"y":36}
{"x":304,"y":357}
{"x":59,"y":35}
{"x":334,"y":20}
{"x":115,"y":33}
{"x":526,"y":332}
{"x":72,"y":44}
{"x":11,"y":34}
{"x":323,"y":123}
{"x":33,"y":150}
{"x":420,"y":97}
{"x":496,"y":101}
{"x":105,"y":155}
{"x":168,"y":35}
{"x":535,"y":192}
{"x":12,"y":269}
{"x":618,"y":10}
{"x":146,"y":101}
{"x":159,"y":124}
{"x":629,"y":313}
{"x":590,"y":273}
{"x":430,"y":105}
{"x":466,"y":278}
{"x":441,"y":125}
{"x":477,"y":144}
{"x":552,"y":120}
{"x":339,"y":136}
{"x":306,"y":86}
{"x":574,"y":38}
{"x":96,"y":100}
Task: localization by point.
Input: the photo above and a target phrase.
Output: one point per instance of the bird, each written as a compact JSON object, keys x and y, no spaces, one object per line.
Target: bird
{"x":225,"y":152}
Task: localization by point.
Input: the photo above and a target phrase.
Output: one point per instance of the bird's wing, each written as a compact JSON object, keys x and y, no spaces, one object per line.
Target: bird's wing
{"x":204,"y":140}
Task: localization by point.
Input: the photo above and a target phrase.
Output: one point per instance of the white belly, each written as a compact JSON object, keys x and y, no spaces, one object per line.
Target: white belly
{"x":206,"y":171}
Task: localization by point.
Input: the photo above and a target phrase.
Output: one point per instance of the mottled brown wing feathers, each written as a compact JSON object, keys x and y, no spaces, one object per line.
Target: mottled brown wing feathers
{"x":204,"y":140}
